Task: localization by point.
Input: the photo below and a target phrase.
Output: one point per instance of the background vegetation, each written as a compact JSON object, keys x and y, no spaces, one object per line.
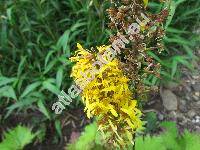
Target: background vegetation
{"x":37,"y":37}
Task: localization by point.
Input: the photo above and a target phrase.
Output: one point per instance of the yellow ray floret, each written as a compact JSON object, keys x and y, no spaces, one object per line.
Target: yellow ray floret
{"x":107,"y":95}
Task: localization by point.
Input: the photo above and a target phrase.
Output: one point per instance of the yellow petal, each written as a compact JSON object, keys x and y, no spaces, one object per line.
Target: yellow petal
{"x":130,"y":137}
{"x":130,"y":123}
{"x":145,"y":3}
{"x":79,"y":46}
{"x":114,"y":128}
{"x":113,"y":112}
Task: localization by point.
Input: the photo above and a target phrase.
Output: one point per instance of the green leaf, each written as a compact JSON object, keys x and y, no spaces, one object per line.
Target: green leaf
{"x":174,"y":30}
{"x":168,"y":140}
{"x":59,"y":77}
{"x":174,"y":68}
{"x":20,"y":104}
{"x":63,"y":43}
{"x":17,"y":138}
{"x":151,"y":121}
{"x":149,"y":143}
{"x":155,"y":56}
{"x":43,"y":109}
{"x":30,"y":88}
{"x":58,"y":128}
{"x":191,"y":140}
{"x":5,"y":80}
{"x":170,"y":136}
{"x":21,"y":65}
{"x":183,"y":60}
{"x":52,"y":88}
{"x":48,"y":57}
{"x":50,"y":66}
{"x":87,"y":139}
{"x":172,"y":9}
{"x":8,"y":91}
{"x":3,"y":32}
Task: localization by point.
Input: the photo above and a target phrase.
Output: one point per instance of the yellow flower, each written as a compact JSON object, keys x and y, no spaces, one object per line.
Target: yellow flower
{"x":107,"y":95}
{"x":145,"y":2}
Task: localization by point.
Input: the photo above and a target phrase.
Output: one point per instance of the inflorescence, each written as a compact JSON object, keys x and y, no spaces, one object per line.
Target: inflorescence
{"x":106,"y":90}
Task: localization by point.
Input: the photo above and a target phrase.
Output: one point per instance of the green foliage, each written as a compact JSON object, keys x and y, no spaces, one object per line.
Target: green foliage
{"x":169,"y":140}
{"x":17,"y":138}
{"x":181,"y":39}
{"x":89,"y":139}
{"x":36,"y":38}
{"x":151,"y":122}
{"x":149,"y":143}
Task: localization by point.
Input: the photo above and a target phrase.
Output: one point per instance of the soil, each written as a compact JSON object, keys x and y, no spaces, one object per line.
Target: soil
{"x":187,"y":114}
{"x":187,"y":94}
{"x":72,"y":123}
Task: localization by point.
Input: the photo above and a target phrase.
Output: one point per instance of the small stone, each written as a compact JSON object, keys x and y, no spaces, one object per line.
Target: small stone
{"x":196,"y":87}
{"x":160,"y":116}
{"x":193,"y":82}
{"x":196,"y":98}
{"x":197,"y":94}
{"x":182,"y":105}
{"x":180,"y":115}
{"x":183,"y":109}
{"x":183,"y":120}
{"x":197,"y":105}
{"x":172,"y":114}
{"x":182,"y":102}
{"x":169,"y":99}
{"x":188,"y":89}
{"x":197,"y":117}
{"x":74,"y":136}
{"x":195,"y":77}
{"x":198,"y":129}
{"x":191,"y":113}
{"x":188,"y":98}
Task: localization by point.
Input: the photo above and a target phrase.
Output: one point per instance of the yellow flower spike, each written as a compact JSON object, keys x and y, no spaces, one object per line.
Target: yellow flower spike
{"x":79,"y":46}
{"x":113,"y":111}
{"x":114,"y":128}
{"x":107,"y":95}
{"x":129,"y":136}
{"x":121,"y":142}
{"x":130,"y":123}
